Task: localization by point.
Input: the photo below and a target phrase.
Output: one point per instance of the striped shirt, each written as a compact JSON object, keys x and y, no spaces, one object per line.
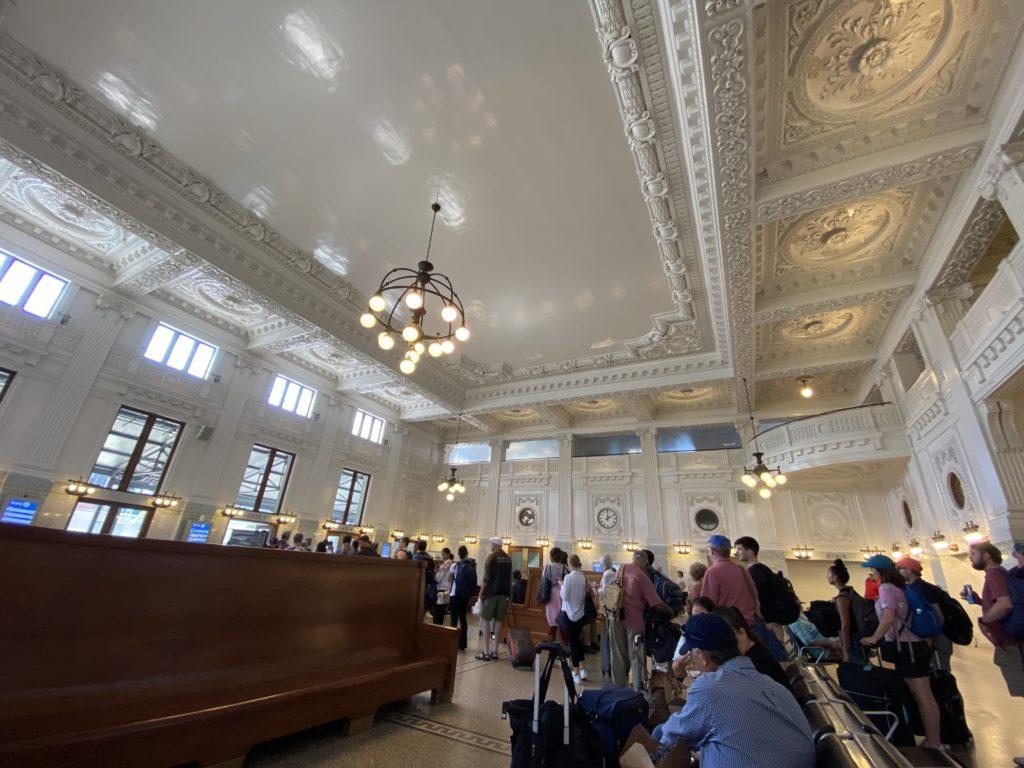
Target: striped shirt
{"x":736,"y":716}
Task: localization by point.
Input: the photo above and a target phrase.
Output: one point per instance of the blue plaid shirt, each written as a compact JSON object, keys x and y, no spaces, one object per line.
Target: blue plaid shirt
{"x":736,"y":717}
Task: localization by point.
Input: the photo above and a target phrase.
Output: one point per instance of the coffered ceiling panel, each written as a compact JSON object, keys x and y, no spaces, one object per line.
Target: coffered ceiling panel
{"x":820,"y":332}
{"x":836,"y":382}
{"x":846,"y":78}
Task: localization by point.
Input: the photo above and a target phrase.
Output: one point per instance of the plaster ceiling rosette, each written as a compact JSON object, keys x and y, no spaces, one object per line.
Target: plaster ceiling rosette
{"x":813,"y":333}
{"x":514,"y":417}
{"x":823,"y":325}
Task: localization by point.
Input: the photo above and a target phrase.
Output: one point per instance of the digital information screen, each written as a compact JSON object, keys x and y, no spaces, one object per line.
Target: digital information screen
{"x":198,"y":533}
{"x":19,"y":512}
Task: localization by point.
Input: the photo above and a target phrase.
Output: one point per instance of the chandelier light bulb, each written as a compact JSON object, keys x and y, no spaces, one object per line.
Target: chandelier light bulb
{"x":420,"y":348}
{"x":781,"y":479}
{"x":385,"y":341}
{"x":449,"y":313}
{"x":447,"y":346}
{"x":462,"y":333}
{"x":367,"y":320}
{"x":461,"y":488}
{"x":434,"y":350}
{"x":443,"y":486}
{"x":450,"y":497}
{"x":748,"y":480}
{"x":765,"y":476}
{"x":770,"y":482}
{"x":414,"y":299}
{"x":413,"y":355}
{"x":408,"y":367}
{"x":411,"y":333}
{"x":765,"y":493}
{"x":377,"y":303}
{"x":805,"y":390}
{"x":90,"y":491}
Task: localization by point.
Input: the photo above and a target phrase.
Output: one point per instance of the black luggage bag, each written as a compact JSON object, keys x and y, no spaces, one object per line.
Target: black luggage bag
{"x":953,"y":719}
{"x":545,"y":734}
{"x":520,"y":647}
{"x":877,"y":690}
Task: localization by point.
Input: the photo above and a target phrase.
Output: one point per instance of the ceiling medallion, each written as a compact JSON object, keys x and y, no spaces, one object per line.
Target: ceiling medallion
{"x":759,"y":477}
{"x":821,"y":325}
{"x":414,"y":286}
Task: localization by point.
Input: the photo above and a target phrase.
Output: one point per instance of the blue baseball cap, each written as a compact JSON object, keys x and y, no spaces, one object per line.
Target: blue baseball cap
{"x":707,"y":632}
{"x":720,"y":541}
{"x":878,"y":561}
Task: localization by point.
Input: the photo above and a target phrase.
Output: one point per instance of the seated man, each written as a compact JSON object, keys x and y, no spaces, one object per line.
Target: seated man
{"x":734,"y":715}
{"x":808,"y":635}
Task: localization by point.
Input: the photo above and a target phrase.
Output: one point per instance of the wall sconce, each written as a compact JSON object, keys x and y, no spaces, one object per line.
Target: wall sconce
{"x":369,"y":530}
{"x":868,"y":552}
{"x":939,"y":541}
{"x":232,"y":512}
{"x":331,"y":525}
{"x":954,"y":548}
{"x":803,"y":553}
{"x":438,"y":538}
{"x":629,"y":546}
{"x":896,"y":552}
{"x":285,"y":519}
{"x":916,"y":548}
{"x":506,"y":541}
{"x":397,"y":534}
{"x":79,"y":488}
{"x":471,"y":538}
{"x":585,"y":544}
{"x":684,"y":548}
{"x":164,"y":501}
{"x":972,"y":533}
{"x":543,"y":541}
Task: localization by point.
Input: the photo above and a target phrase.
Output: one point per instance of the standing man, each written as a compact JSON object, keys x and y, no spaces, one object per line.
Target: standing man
{"x":463,"y":590}
{"x":747,"y":550}
{"x":910,"y":569}
{"x":727,"y":583}
{"x":366,"y":548}
{"x":625,"y":627}
{"x":495,"y":593}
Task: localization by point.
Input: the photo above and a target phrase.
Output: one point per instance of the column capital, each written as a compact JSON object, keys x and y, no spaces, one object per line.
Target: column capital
{"x":115,"y":305}
{"x":246,"y":364}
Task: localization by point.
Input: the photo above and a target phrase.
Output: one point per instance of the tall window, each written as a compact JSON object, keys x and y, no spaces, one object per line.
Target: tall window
{"x":469,"y":453}
{"x":5,"y":382}
{"x":169,"y":346}
{"x":368,"y":427}
{"x":351,"y":497}
{"x":28,"y":287}
{"x":135,"y":455}
{"x":532,"y":449}
{"x":111,"y":519}
{"x":264,"y":479}
{"x":291,"y":396}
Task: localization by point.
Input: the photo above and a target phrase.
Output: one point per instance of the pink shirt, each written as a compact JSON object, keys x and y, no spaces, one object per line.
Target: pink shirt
{"x":891,"y":596}
{"x":640,"y":593}
{"x":728,"y":583}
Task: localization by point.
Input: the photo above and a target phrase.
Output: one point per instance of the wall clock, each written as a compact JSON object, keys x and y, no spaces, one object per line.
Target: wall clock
{"x":527,"y":517}
{"x":607,"y":518}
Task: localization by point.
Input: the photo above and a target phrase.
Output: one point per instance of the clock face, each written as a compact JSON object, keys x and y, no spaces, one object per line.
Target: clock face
{"x":527,"y":517}
{"x":607,"y":518}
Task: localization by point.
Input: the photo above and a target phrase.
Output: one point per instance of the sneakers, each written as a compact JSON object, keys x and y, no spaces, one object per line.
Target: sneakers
{"x":583,"y":673}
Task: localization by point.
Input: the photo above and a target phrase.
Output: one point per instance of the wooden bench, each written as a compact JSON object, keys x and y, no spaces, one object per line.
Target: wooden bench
{"x":134,"y":652}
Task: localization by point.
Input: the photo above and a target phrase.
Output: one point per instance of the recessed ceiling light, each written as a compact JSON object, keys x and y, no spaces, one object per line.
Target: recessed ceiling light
{"x":805,"y":388}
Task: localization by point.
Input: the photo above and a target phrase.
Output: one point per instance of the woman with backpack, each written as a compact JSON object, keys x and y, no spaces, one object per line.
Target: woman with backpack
{"x":911,"y":655}
{"x":553,"y":574}
{"x":850,"y":631}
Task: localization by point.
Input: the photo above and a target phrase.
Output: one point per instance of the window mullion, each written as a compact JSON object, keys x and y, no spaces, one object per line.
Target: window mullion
{"x":133,"y":461}
{"x":264,"y":480}
{"x":108,"y":523}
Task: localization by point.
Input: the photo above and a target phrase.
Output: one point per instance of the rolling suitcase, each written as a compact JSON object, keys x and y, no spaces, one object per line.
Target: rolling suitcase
{"x":520,"y":647}
{"x":952,"y":718}
{"x":616,"y":711}
{"x":882,"y":695}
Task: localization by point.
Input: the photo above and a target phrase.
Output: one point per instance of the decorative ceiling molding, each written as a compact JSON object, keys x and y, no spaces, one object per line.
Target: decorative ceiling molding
{"x":157,"y":270}
{"x":983,"y":224}
{"x":813,"y":370}
{"x":910,"y":172}
{"x":895,"y":294}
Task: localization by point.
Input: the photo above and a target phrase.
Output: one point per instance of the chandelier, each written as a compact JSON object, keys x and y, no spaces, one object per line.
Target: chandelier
{"x":803,"y":553}
{"x":759,"y":476}
{"x":451,"y":485}
{"x":413,"y":286}
{"x":683,"y":548}
{"x":972,"y":533}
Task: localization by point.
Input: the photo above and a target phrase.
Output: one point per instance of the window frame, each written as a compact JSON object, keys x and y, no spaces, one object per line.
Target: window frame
{"x":111,"y":518}
{"x":357,"y":425}
{"x":302,"y":388}
{"x":261,"y":489}
{"x":140,"y":444}
{"x":176,"y":334}
{"x":27,"y":292}
{"x":348,"y":501}
{"x":7,"y":385}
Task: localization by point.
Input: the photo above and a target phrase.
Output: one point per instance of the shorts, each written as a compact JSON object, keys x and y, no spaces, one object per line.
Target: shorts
{"x":911,"y":659}
{"x":494,"y":608}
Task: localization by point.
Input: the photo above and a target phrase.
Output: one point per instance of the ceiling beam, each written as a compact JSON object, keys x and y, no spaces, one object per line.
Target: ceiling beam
{"x":637,"y":407}
{"x":286,"y":339}
{"x":888,"y":288}
{"x":816,"y":363}
{"x":556,"y":415}
{"x":157,"y":270}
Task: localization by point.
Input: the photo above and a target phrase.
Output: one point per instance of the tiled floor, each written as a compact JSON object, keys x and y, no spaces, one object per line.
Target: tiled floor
{"x":470,"y":732}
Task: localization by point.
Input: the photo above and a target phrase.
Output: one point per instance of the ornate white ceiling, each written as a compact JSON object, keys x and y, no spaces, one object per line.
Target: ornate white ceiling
{"x":702,"y":191}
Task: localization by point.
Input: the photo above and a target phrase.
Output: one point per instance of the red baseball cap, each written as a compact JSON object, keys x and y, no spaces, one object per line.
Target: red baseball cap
{"x":909,"y":563}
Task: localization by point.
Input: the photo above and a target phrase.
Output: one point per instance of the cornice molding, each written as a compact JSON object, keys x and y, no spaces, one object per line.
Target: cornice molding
{"x":894,"y":294}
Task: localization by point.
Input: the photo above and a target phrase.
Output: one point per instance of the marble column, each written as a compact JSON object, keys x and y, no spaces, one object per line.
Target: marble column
{"x":384,"y":517}
{"x":563,"y":532}
{"x":487,"y":518}
{"x":56,"y":422}
{"x":652,"y":487}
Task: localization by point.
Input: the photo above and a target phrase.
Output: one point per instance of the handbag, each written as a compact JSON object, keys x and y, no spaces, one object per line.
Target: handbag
{"x":544,"y":593}
{"x":478,"y":607}
{"x":589,"y":609}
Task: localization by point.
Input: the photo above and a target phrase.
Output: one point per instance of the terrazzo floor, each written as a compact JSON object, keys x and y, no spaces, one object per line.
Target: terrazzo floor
{"x":470,"y":732}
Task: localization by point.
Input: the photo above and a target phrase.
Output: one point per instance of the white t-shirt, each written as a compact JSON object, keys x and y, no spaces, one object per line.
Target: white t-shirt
{"x":574,"y":591}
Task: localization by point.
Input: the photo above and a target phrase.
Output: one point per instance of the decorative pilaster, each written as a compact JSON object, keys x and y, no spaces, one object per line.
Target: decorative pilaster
{"x":56,"y":422}
{"x":385,"y":514}
{"x":1004,"y":181}
{"x":487,"y":519}
{"x":315,"y":501}
{"x":564,"y":529}
{"x":652,"y":485}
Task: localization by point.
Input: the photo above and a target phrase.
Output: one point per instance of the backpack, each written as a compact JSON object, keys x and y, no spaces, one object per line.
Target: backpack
{"x":922,"y":619}
{"x":614,"y":599}
{"x":956,"y":625}
{"x":824,"y":615}
{"x":1014,"y":622}
{"x":671,"y":594}
{"x":783,"y":605}
{"x":863,"y":610}
{"x":465,"y":578}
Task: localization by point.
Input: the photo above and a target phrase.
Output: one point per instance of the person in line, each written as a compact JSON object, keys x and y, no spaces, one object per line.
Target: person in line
{"x":701,"y":605}
{"x":495,"y":593}
{"x":366,"y":547}
{"x":443,"y":579}
{"x":747,"y":550}
{"x":608,"y":576}
{"x":871,"y":585}
{"x":463,"y":589}
{"x":910,"y":569}
{"x":324,"y":547}
{"x":750,"y":646}
{"x":734,"y":715}
{"x":849,"y":628}
{"x":299,"y":544}
{"x":911,"y":655}
{"x":697,"y":572}
{"x":681,"y":580}
{"x":346,"y":545}
{"x":402,"y":549}
{"x":996,"y":605}
{"x":809,"y":635}
{"x":430,"y":595}
{"x":285,"y":542}
{"x":555,"y":570}
{"x":727,"y":583}
{"x":625,"y":627}
{"x":573,"y":593}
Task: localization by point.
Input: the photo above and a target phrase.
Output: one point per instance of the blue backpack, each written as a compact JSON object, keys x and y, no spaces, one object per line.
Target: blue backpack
{"x":671,"y":594}
{"x":1014,"y":622}
{"x":465,"y":578}
{"x":922,"y":620}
